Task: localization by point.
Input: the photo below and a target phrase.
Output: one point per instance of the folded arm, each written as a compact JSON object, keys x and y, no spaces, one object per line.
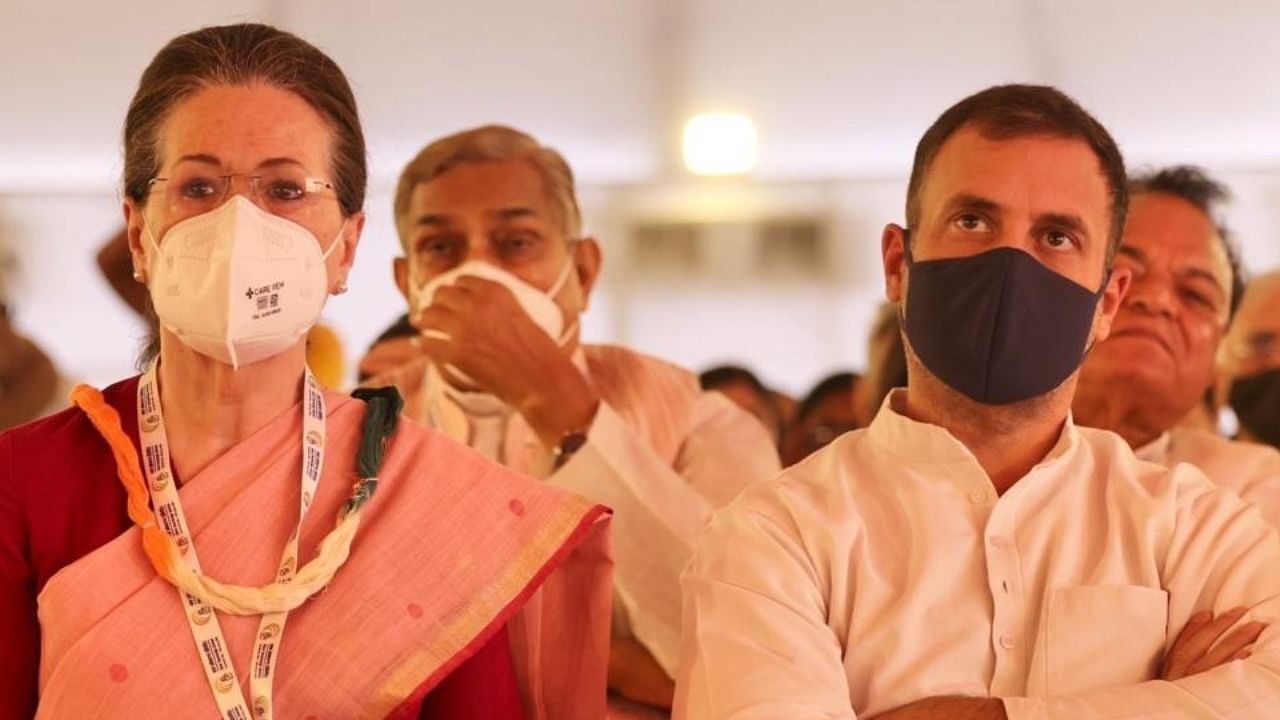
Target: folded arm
{"x":661,"y":506}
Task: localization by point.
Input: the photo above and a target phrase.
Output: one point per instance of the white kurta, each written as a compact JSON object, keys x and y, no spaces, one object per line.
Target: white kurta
{"x":1250,"y":469}
{"x":885,"y":569}
{"x":660,"y":452}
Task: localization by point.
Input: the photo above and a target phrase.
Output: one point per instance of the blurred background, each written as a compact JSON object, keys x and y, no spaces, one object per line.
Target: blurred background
{"x":773,"y":264}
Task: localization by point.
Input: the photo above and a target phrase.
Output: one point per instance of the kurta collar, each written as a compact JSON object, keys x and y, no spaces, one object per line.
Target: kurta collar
{"x":1157,"y":450}
{"x":922,"y":443}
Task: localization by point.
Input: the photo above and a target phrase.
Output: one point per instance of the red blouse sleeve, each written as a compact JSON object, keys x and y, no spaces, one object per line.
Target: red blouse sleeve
{"x":481,"y":688}
{"x":19,"y":627}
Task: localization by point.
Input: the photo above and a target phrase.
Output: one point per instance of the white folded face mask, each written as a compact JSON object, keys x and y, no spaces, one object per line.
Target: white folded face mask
{"x":238,"y":284}
{"x":540,"y":306}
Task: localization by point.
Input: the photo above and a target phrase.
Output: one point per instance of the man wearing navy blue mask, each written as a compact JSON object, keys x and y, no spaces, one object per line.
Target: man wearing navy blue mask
{"x":973,"y":554}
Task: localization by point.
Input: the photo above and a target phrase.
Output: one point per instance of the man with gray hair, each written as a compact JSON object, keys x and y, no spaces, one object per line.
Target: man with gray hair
{"x":496,"y":272}
{"x":1158,"y":366}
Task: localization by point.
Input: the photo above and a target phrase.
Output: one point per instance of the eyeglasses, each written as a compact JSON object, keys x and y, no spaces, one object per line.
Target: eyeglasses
{"x":286,"y":191}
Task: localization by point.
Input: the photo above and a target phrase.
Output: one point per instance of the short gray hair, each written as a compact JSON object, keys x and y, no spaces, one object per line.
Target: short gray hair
{"x":491,"y":143}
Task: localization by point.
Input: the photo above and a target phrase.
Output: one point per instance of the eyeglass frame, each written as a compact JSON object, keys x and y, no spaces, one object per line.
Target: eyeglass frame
{"x":311,"y":182}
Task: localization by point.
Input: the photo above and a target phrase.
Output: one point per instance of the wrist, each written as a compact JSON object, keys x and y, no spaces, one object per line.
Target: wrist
{"x":563,"y":405}
{"x":555,"y":418}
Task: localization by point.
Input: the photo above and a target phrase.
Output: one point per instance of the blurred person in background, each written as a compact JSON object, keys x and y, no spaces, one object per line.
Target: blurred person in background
{"x":974,"y":553}
{"x":395,"y":346}
{"x":496,"y":272}
{"x":459,"y":589}
{"x":886,"y":365}
{"x":1156,"y":367}
{"x":746,"y":391}
{"x":30,"y":384}
{"x":1250,"y":362}
{"x":825,"y":413}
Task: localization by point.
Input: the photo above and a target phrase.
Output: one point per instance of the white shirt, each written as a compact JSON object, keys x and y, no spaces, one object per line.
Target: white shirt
{"x":885,"y":569}
{"x":1250,"y":469}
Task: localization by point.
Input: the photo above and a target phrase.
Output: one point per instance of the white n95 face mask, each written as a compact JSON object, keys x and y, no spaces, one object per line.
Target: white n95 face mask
{"x":540,"y":306}
{"x":238,"y":284}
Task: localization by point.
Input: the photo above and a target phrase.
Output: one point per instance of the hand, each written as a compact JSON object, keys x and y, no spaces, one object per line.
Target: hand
{"x":494,"y":343}
{"x":948,"y":708}
{"x":636,"y":675}
{"x":1201,"y":645}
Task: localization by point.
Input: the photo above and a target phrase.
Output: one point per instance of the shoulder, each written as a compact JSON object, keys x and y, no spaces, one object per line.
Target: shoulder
{"x":817,"y":492}
{"x":58,"y":437}
{"x":432,"y":465}
{"x":1249,"y":469}
{"x":1230,"y":462}
{"x":1114,"y":463}
{"x":605,"y":361}
{"x":60,"y":476}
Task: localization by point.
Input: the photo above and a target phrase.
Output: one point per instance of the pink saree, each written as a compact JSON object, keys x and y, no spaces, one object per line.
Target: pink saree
{"x":451,"y":549}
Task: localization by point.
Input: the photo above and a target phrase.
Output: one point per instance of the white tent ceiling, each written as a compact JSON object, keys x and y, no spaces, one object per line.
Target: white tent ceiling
{"x":839,"y":88}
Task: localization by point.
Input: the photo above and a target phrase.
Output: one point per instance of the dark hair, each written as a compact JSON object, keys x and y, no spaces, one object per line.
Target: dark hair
{"x":241,"y":55}
{"x":886,"y":360}
{"x":1010,"y":111}
{"x":841,"y":382}
{"x":721,"y":375}
{"x":1194,"y":185}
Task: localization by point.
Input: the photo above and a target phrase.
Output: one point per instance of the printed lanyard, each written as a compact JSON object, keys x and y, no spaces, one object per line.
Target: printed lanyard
{"x":211,"y":646}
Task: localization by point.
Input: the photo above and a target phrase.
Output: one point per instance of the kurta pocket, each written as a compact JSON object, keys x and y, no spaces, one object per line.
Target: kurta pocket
{"x":1103,"y":635}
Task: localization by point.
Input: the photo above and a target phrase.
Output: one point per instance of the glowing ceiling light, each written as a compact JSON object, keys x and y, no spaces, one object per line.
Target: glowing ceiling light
{"x":719,"y":144}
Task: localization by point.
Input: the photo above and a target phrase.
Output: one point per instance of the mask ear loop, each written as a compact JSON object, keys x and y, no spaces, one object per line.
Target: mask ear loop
{"x":906,"y":255}
{"x":555,"y":289}
{"x":1106,"y":280}
{"x":562,"y":280}
{"x":336,"y":240}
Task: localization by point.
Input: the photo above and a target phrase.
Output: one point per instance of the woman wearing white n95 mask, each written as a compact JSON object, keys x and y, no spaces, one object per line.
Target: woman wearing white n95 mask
{"x":215,"y":496}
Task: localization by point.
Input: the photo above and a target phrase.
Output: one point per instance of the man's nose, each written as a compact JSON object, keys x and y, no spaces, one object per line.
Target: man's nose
{"x":1151,"y":296}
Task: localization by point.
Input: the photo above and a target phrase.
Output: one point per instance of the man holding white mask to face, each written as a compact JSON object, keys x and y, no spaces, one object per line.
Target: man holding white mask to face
{"x":496,"y":274}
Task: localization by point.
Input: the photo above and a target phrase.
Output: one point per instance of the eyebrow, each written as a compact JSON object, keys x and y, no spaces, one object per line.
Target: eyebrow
{"x":969,"y":201}
{"x":200,"y":158}
{"x":505,"y":214}
{"x":1064,"y":220}
{"x":1140,"y":257}
{"x":1207,"y":276}
{"x":972,"y":202}
{"x":515,"y":213}
{"x":207,"y":159}
{"x":431,"y":220}
{"x":1132,"y":252}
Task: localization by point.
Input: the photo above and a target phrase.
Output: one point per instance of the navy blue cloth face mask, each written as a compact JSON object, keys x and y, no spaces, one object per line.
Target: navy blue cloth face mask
{"x":998,"y":327}
{"x":1256,"y":400}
